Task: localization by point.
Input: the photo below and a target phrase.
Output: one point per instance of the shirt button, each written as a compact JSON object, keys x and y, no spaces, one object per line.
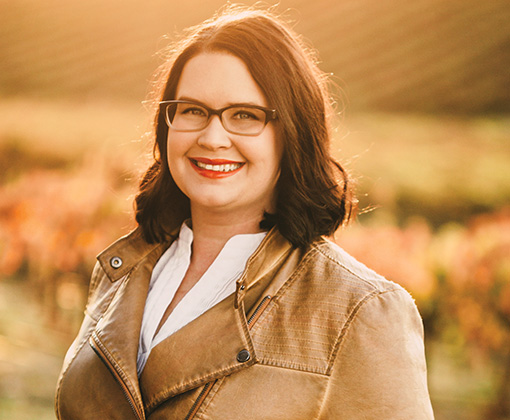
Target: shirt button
{"x":243,"y":356}
{"x":116,"y":262}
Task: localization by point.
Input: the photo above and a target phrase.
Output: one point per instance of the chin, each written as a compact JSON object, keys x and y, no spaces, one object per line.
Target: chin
{"x":213,"y":203}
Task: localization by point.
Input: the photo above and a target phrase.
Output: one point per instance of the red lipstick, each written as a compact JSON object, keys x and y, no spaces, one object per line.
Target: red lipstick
{"x":203,"y":167}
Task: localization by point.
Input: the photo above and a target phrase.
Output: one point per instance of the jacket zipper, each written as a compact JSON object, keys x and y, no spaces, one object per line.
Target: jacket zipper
{"x":207,"y":387}
{"x":256,"y":315}
{"x":201,"y":397}
{"x":127,"y":393}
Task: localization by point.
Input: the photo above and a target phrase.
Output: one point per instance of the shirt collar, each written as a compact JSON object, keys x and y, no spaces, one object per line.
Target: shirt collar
{"x":238,"y":247}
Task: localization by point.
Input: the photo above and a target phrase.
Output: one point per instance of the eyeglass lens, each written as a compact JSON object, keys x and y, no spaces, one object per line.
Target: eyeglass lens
{"x":237,"y":119}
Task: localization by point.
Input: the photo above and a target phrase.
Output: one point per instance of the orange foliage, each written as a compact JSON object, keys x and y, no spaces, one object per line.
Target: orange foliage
{"x":479,"y":280}
{"x":53,"y":223}
{"x":401,"y":255}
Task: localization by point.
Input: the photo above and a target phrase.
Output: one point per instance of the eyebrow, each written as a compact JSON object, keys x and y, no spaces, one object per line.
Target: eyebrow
{"x":187,"y":98}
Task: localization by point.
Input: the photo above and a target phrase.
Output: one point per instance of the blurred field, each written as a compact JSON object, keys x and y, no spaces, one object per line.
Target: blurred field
{"x":67,"y":193}
{"x":425,"y":135}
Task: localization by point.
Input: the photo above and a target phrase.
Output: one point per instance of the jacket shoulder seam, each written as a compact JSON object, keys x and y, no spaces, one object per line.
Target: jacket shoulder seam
{"x":351,"y":318}
{"x":367,"y":281}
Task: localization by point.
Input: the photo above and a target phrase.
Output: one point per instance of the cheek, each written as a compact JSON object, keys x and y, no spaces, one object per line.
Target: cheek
{"x":176,"y":148}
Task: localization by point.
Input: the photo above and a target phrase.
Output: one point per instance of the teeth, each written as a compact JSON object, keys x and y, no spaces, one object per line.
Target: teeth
{"x":229,"y":167}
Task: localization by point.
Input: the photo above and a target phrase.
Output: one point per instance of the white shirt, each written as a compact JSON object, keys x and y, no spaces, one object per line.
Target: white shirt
{"x":218,"y":282}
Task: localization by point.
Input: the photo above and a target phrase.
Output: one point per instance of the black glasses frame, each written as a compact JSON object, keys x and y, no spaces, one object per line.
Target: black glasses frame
{"x":270,"y":114}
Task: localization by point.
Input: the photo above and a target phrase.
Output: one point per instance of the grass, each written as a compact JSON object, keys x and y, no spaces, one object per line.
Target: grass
{"x":66,"y":129}
{"x":460,"y":388}
{"x":440,"y":168}
{"x":31,"y":355}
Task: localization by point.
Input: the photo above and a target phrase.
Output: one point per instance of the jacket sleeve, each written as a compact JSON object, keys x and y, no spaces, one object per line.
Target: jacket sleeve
{"x":379,"y":371}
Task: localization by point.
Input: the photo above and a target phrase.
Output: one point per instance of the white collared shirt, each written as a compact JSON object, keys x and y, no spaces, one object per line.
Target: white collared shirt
{"x":218,"y":282}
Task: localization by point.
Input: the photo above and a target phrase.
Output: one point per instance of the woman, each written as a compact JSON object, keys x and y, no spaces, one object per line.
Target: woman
{"x":227,"y":301}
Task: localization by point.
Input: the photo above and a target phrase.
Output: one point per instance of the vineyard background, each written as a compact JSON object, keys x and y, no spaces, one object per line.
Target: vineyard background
{"x":424,"y":99}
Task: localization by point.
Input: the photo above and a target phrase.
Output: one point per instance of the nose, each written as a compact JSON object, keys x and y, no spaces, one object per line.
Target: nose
{"x":214,"y":136}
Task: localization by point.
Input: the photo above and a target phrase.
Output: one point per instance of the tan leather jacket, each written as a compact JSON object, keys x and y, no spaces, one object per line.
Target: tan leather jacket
{"x":307,"y":335}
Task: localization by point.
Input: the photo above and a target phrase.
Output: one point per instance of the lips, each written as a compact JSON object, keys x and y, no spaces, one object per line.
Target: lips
{"x":215,"y":168}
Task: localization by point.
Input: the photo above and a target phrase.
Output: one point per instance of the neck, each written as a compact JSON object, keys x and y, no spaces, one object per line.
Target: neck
{"x":212,"y":231}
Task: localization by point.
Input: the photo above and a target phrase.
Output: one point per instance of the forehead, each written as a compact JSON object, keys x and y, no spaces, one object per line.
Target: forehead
{"x":218,"y":79}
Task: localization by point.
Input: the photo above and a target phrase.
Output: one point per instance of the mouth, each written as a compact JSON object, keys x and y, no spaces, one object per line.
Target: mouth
{"x":215,"y":167}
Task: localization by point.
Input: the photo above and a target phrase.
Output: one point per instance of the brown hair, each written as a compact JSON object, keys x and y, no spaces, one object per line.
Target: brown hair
{"x":312,"y":193}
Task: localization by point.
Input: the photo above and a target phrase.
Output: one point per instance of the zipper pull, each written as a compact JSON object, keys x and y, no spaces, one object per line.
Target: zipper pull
{"x":240,"y":292}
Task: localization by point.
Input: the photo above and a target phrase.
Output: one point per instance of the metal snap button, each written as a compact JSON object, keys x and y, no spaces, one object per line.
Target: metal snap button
{"x":116,"y":262}
{"x":243,"y":356}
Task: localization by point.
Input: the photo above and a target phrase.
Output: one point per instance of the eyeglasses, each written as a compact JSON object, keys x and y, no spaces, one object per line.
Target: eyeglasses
{"x":246,"y":120}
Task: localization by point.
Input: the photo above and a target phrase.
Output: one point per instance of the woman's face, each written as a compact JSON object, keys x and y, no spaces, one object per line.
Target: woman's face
{"x":217,"y":170}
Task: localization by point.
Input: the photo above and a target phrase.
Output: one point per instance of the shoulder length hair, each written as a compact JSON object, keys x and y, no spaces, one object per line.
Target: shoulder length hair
{"x":313,"y":194}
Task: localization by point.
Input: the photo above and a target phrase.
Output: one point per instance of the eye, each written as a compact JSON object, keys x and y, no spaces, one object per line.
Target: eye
{"x":192,"y":110}
{"x":246,"y":114}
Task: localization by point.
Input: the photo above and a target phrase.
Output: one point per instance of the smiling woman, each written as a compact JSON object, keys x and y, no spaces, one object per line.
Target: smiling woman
{"x":229,"y":283}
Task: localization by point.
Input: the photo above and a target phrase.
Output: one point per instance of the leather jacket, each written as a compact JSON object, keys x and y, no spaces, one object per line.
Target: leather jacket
{"x":308,"y":334}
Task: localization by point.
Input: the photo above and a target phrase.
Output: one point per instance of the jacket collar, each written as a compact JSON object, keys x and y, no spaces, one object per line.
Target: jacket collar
{"x":123,"y":255}
{"x":203,"y":350}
